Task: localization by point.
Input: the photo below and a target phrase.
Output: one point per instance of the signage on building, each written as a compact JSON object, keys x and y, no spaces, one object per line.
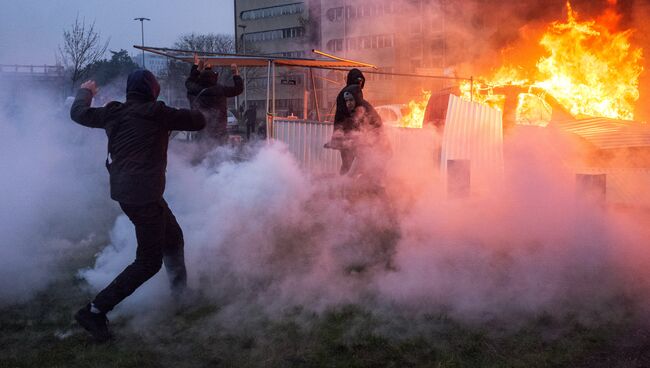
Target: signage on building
{"x":291,"y":82}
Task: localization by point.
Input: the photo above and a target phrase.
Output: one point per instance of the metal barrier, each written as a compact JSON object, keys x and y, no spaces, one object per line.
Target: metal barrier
{"x":305,"y":140}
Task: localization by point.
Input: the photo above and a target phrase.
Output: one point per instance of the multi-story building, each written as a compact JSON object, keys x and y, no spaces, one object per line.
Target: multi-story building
{"x":280,"y":28}
{"x":408,"y":37}
{"x":399,"y":37}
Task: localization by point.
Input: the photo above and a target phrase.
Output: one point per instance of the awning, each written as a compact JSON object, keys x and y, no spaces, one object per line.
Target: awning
{"x":220,"y":59}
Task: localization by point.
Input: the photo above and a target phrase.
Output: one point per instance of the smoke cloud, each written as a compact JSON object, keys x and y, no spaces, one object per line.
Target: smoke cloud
{"x":54,"y":194}
{"x":263,"y":237}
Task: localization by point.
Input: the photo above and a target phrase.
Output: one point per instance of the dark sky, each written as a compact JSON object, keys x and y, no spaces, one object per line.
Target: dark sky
{"x":31,"y":30}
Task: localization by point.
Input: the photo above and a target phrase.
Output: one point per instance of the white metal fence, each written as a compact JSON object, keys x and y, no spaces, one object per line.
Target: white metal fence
{"x":305,"y":140}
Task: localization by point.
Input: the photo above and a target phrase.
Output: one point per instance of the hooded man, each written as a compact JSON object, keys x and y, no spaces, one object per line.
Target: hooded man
{"x":210,"y":97}
{"x":354,"y":78}
{"x":138,"y":135}
{"x":360,"y":134}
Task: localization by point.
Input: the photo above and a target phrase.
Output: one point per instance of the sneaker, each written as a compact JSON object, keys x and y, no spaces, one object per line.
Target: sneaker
{"x":95,"y":323}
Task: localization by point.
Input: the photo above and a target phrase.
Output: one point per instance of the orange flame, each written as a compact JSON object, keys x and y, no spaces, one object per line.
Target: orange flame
{"x":415,"y":116}
{"x":590,"y":69}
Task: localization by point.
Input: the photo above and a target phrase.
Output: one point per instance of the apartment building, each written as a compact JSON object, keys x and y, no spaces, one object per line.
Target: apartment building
{"x":408,"y":36}
{"x":280,"y":28}
{"x":399,"y":37}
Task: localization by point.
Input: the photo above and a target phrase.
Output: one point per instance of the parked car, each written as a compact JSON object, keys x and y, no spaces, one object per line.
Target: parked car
{"x":392,"y":114}
{"x":233,"y":123}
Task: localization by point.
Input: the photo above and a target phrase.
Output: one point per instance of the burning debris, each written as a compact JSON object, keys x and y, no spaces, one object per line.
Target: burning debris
{"x":588,"y":66}
{"x":416,"y":110}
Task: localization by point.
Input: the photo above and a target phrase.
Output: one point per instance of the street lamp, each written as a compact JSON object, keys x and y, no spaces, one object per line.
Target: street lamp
{"x":142,"y":29}
{"x":243,"y":42}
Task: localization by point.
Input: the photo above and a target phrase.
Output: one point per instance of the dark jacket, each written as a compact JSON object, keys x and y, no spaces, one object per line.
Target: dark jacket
{"x":251,"y":116}
{"x":354,"y":78}
{"x":348,"y":122}
{"x":138,"y":132}
{"x":210,"y":97}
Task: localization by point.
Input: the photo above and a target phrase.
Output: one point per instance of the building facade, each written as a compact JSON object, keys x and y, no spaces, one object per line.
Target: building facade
{"x":407,"y":37}
{"x":277,"y":28}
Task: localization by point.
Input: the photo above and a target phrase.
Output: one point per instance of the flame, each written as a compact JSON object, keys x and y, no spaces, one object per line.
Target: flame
{"x":416,"y":110}
{"x":589,"y":68}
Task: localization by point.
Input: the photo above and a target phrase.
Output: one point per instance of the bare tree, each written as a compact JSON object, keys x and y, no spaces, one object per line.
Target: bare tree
{"x":221,"y":43}
{"x":81,"y":47}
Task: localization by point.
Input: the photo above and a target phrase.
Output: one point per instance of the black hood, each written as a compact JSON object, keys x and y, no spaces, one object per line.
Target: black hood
{"x":356,"y":77}
{"x":208,"y":78}
{"x":142,"y":84}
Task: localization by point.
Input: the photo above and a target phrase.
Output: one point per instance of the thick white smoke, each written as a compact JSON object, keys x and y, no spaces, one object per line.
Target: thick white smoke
{"x":262,"y":235}
{"x":54,"y":194}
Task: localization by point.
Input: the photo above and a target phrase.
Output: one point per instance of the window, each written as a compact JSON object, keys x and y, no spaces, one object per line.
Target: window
{"x":365,"y":42}
{"x":350,"y":12}
{"x":438,"y":45}
{"x":335,"y":45}
{"x":335,"y":14}
{"x":352,"y":44}
{"x":276,"y":34}
{"x":273,"y":11}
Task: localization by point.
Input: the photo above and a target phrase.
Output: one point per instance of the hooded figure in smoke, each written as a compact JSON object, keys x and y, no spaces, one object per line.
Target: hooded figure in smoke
{"x":355,"y":77}
{"x":138,"y":135}
{"x":359,"y":135}
{"x":210,"y":97}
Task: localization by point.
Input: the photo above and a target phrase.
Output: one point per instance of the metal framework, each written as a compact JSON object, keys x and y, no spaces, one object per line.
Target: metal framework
{"x":270,"y":62}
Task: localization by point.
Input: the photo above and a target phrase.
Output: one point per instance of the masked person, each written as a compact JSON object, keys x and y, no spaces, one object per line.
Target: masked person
{"x":210,"y":97}
{"x":360,"y":137}
{"x":373,"y":245}
{"x":138,"y":135}
{"x":354,"y":77}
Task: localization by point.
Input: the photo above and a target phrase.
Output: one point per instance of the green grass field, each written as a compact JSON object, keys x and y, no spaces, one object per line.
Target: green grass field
{"x":41,"y":333}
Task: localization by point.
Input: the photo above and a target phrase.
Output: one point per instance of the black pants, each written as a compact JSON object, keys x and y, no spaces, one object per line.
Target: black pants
{"x":250,"y":128}
{"x":160,"y":240}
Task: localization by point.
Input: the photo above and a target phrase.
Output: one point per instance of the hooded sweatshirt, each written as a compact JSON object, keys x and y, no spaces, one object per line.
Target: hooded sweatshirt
{"x":138,"y":135}
{"x":354,"y":78}
{"x":210,"y":97}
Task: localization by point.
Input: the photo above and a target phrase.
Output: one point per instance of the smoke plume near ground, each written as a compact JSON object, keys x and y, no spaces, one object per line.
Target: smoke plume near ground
{"x":263,"y":236}
{"x":54,"y":194}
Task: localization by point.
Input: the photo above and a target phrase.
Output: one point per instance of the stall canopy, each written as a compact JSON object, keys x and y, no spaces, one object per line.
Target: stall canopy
{"x":326,"y":61}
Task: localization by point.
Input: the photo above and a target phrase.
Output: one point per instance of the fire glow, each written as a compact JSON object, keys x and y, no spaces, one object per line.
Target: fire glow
{"x":415,"y":116}
{"x":588,"y":67}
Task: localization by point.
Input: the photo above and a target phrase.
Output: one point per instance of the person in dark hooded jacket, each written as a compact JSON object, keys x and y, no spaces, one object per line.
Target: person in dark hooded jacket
{"x":354,"y":78}
{"x":360,"y":135}
{"x":138,"y":135}
{"x":210,"y":97}
{"x":368,"y":145}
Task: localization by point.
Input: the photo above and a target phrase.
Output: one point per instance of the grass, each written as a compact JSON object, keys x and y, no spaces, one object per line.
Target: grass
{"x":41,"y":333}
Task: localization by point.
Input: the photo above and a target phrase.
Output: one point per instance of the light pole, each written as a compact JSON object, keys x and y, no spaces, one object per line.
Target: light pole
{"x":243,"y":43}
{"x":142,"y":31}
